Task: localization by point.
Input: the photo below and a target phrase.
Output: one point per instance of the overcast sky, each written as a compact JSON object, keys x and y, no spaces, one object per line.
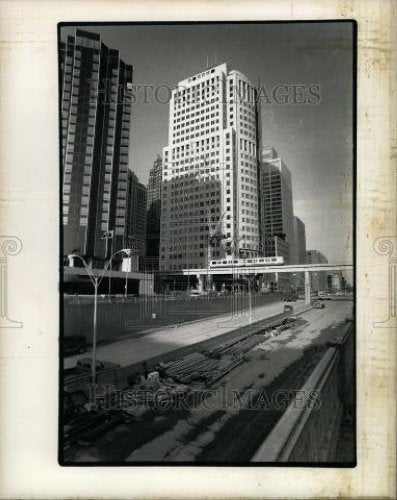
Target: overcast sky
{"x":315,"y":141}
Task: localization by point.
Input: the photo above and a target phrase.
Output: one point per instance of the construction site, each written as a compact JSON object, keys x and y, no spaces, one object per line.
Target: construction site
{"x":220,"y":397}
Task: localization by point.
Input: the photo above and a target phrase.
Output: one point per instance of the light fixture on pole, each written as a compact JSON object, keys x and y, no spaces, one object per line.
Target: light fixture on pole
{"x":108,"y":235}
{"x":128,"y":253}
{"x":96,"y":281}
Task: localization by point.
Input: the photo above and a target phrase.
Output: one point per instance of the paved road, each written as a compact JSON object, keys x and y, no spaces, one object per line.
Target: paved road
{"x":234,"y":435}
{"x":159,"y":341}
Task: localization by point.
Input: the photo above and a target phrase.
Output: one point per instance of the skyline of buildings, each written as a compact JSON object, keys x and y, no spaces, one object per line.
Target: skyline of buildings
{"x":214,"y":176}
{"x":300,"y":133}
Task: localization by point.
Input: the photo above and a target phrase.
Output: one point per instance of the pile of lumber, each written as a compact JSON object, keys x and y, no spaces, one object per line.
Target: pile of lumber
{"x":182,"y":368}
{"x":195,"y":366}
{"x":245,"y":345}
{"x":212,"y":365}
{"x":198,"y":367}
{"x":224,"y":367}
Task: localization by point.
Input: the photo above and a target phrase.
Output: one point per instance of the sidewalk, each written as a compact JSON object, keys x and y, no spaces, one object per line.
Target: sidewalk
{"x":159,"y":341}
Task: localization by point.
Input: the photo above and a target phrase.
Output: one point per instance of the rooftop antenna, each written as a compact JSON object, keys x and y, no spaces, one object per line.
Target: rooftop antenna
{"x":216,"y":58}
{"x":207,"y":60}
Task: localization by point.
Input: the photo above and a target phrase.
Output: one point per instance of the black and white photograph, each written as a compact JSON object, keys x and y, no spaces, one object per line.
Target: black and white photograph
{"x":207,"y":235}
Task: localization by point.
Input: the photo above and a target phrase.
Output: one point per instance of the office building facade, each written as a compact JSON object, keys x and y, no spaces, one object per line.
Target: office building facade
{"x":275,"y":214}
{"x":135,"y":232}
{"x":95,"y":131}
{"x":210,"y":171}
{"x":154,"y":183}
{"x":318,"y":279}
{"x":154,"y":214}
{"x":335,"y":281}
{"x":276,"y":206}
{"x":299,"y":255}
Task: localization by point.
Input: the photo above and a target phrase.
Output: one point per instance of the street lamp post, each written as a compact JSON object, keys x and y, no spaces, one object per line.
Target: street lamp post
{"x":110,"y":270}
{"x":110,"y":282}
{"x":96,"y":281}
{"x":109,"y":235}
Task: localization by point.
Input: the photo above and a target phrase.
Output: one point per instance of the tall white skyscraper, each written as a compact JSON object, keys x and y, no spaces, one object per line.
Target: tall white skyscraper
{"x":210,"y":171}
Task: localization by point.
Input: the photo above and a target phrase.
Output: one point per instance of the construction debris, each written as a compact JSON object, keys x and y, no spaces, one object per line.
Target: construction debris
{"x":213,"y":364}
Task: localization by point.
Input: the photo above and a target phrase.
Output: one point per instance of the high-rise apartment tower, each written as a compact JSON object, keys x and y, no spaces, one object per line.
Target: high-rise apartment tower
{"x":95,"y":130}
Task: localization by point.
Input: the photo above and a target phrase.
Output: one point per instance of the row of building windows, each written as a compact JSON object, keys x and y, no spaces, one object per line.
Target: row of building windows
{"x":179,"y":106}
{"x":201,"y":75}
{"x":207,"y":93}
{"x":182,"y":256}
{"x":184,"y":129}
{"x":185,"y":92}
{"x":249,"y":204}
{"x":182,"y":136}
{"x":194,"y":111}
{"x":181,"y":123}
{"x":195,"y":146}
{"x":179,"y":242}
{"x":191,"y":157}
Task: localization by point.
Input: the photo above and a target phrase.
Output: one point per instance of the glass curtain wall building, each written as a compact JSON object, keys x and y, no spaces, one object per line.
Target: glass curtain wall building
{"x":276,"y":206}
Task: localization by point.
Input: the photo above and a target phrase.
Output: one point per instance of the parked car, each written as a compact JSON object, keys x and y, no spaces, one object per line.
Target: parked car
{"x":324,"y":297}
{"x":319,"y":304}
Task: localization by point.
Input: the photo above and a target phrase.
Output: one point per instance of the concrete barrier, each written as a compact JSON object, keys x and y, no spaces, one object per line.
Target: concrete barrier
{"x":310,"y":434}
